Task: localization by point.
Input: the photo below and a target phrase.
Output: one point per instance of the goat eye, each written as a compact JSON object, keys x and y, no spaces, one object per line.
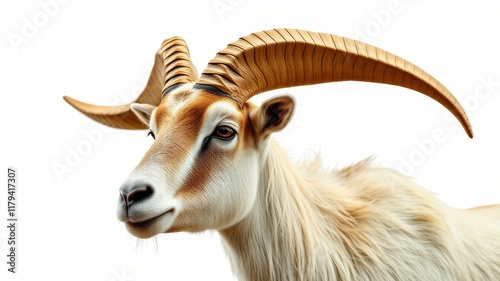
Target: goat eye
{"x":224,"y":132}
{"x":150,"y":133}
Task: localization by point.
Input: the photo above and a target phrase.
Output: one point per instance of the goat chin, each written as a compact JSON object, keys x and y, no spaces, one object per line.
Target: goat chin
{"x":358,"y":223}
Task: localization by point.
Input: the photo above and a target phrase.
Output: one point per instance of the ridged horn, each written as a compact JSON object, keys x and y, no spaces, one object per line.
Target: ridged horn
{"x":172,"y":67}
{"x":279,"y":58}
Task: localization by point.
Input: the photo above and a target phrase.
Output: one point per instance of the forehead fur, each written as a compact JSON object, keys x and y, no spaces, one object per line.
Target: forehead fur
{"x":187,"y":106}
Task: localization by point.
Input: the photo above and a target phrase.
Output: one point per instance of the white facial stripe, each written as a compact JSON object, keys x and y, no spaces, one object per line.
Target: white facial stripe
{"x":188,"y":163}
{"x":175,"y":108}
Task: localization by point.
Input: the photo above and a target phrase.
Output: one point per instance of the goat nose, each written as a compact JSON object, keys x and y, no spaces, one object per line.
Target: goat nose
{"x":135,"y":193}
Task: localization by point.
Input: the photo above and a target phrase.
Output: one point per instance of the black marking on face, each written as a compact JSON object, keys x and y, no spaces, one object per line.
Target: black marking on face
{"x":212,"y":89}
{"x":171,"y":88}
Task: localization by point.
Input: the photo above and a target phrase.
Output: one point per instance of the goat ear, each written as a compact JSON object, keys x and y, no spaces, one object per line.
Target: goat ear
{"x":143,"y":111}
{"x":273,"y":115}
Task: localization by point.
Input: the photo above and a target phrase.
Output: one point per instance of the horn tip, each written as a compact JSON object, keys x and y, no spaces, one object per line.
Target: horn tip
{"x":73,"y":102}
{"x":67,"y":99}
{"x":470,"y":133}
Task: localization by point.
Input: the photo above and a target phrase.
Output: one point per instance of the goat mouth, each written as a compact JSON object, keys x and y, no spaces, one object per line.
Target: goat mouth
{"x":149,"y":222}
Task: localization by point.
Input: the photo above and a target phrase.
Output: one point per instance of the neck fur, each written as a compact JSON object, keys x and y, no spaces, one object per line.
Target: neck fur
{"x":358,"y":223}
{"x":282,"y":237}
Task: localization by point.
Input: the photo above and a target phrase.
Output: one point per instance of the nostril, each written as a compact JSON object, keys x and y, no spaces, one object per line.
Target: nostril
{"x":137,"y":194}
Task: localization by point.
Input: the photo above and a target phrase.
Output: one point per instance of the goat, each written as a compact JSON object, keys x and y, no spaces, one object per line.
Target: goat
{"x":214,"y":165}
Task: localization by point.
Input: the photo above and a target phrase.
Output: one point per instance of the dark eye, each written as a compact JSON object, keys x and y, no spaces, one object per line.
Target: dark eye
{"x":224,"y":132}
{"x":150,"y":133}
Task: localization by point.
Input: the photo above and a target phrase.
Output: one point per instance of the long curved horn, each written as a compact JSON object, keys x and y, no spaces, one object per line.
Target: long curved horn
{"x":172,"y":67}
{"x":280,"y":58}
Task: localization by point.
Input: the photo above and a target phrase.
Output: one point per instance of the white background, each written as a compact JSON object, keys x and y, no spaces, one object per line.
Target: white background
{"x":102,"y":53}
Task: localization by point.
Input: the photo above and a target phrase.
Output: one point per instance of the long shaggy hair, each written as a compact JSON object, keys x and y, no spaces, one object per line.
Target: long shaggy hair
{"x":358,"y":223}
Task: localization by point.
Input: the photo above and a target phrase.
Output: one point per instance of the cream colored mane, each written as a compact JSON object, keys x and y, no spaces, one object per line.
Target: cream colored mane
{"x":358,"y":223}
